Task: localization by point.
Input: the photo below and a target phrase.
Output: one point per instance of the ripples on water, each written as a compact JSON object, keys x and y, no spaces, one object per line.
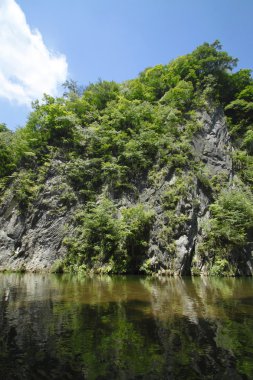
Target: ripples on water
{"x":63,"y":327}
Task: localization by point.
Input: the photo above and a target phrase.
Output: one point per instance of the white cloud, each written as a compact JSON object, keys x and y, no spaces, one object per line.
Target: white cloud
{"x":27,"y":68}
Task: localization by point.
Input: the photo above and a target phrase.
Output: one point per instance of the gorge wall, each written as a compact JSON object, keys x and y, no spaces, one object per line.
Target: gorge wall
{"x":153,"y":175}
{"x":33,"y":240}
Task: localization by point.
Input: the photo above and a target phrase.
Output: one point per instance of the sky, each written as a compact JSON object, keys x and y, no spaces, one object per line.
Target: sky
{"x":45,"y":42}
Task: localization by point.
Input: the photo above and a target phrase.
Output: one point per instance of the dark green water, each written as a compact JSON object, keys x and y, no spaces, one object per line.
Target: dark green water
{"x":62,"y":327}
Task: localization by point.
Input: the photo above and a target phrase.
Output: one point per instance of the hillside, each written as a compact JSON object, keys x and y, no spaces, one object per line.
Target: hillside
{"x":153,"y":175}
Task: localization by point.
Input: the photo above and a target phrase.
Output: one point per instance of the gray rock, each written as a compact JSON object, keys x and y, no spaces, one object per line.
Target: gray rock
{"x":212,"y":144}
{"x":33,"y":240}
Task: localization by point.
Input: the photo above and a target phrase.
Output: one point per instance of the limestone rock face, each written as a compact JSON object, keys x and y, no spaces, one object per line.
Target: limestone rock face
{"x":211,"y":146}
{"x":33,"y":240}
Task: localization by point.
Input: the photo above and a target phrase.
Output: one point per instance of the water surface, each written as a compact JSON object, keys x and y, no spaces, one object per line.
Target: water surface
{"x":69,"y":327}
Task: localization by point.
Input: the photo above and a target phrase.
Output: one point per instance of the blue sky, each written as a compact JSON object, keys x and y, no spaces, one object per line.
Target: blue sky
{"x":49,"y":41}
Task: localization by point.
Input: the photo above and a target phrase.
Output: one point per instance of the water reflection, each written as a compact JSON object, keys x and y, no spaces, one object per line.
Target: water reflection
{"x":63,"y":327}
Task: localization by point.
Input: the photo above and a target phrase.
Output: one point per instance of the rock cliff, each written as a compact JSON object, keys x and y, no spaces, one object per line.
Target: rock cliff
{"x":153,"y":175}
{"x":32,"y":240}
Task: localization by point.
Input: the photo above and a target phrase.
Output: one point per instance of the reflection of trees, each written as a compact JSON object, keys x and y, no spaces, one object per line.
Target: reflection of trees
{"x":204,"y":326}
{"x":124,"y":328}
{"x":80,"y":328}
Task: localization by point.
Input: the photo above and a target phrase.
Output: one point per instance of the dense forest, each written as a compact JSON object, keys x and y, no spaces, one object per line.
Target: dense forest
{"x":153,"y":175}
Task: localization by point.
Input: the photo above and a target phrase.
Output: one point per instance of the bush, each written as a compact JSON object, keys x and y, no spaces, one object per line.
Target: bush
{"x":108,"y":241}
{"x":221,"y":267}
{"x":135,"y":229}
{"x":24,"y":188}
{"x":97,"y":234}
{"x":232,"y":217}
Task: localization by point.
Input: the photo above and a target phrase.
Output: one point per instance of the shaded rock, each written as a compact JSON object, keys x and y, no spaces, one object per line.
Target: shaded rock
{"x":32,"y":240}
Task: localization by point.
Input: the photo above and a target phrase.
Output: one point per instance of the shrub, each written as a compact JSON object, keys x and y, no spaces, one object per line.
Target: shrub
{"x":232,"y":217}
{"x":106,"y":241}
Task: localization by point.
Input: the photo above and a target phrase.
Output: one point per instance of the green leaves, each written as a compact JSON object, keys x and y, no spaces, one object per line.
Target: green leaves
{"x":129,"y":124}
{"x":228,"y":232}
{"x":114,"y":139}
{"x":108,"y":239}
{"x":7,"y":161}
{"x":101,"y":93}
{"x":25,"y":188}
{"x":232,"y":216}
{"x":179,"y":96}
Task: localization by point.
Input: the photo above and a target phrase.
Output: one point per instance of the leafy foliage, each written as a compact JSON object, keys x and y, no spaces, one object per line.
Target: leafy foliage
{"x":230,"y":228}
{"x":107,"y":241}
{"x":114,"y":139}
{"x":232,"y":219}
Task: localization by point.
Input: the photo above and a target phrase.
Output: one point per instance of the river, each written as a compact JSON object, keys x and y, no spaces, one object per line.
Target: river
{"x":125,"y":327}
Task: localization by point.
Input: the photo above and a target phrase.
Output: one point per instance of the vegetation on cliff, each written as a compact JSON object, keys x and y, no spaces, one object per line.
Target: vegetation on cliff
{"x":113,"y":140}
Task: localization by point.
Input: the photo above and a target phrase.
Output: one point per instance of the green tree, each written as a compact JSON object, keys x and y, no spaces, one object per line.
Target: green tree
{"x":232,"y":217}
